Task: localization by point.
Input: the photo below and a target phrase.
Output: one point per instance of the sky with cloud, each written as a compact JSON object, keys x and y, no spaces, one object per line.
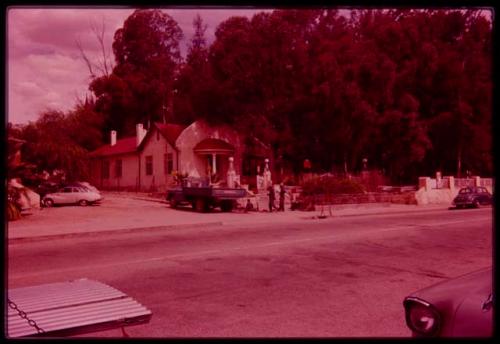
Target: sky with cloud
{"x":45,"y":69}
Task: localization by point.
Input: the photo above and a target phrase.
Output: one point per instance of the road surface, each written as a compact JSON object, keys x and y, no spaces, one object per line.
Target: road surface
{"x":335,"y":277}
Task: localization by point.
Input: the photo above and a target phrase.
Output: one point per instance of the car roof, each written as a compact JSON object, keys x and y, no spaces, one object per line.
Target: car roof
{"x":79,"y":187}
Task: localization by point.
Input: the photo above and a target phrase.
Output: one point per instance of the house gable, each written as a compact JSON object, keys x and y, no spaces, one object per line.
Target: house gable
{"x":170,"y":132}
{"x":158,"y":156}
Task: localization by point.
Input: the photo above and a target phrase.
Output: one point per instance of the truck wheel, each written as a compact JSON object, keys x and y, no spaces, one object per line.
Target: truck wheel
{"x":173,"y":204}
{"x":226,"y":206}
{"x":200,"y":205}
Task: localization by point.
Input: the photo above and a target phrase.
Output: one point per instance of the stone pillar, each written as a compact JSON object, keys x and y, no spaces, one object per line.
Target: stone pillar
{"x":451,"y":179}
{"x":477,"y":181}
{"x":231,"y":174}
{"x":424,"y":182}
{"x":113,"y":137}
{"x":214,"y":163}
{"x":438,"y":180}
{"x":267,"y":175}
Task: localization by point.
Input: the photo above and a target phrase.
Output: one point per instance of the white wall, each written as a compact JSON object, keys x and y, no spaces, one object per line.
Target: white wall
{"x":156,"y":146}
{"x":129,"y":172}
{"x":428,"y":194}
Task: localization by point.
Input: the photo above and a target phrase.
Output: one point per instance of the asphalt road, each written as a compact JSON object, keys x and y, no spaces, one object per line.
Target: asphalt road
{"x":336,"y":277}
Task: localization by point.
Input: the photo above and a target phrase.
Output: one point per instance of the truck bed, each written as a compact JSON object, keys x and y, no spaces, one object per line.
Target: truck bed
{"x":228,"y":193}
{"x":210,"y":192}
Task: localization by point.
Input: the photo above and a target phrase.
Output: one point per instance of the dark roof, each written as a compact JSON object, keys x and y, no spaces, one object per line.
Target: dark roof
{"x":170,"y":131}
{"x":128,"y":145}
{"x":213,"y":146}
{"x":122,"y":146}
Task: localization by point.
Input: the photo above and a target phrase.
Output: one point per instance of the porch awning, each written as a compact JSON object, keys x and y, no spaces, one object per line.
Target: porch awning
{"x":213,"y":146}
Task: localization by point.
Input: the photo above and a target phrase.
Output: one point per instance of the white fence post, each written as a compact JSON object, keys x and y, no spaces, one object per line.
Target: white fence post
{"x":452,"y":184}
{"x":477,"y":181}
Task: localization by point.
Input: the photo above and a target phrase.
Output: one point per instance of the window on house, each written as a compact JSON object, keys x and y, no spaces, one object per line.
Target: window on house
{"x":118,"y":168}
{"x":149,"y":165}
{"x":169,"y":163}
{"x":105,"y":169}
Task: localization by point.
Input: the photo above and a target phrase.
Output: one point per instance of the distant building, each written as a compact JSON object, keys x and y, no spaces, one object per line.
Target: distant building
{"x":148,"y":160}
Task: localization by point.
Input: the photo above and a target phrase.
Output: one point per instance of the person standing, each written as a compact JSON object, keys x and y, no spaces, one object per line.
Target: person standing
{"x":249,"y":206}
{"x":271,"y":198}
{"x":282,"y":197}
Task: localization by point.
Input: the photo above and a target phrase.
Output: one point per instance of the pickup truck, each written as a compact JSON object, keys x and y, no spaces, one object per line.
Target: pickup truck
{"x":204,"y":197}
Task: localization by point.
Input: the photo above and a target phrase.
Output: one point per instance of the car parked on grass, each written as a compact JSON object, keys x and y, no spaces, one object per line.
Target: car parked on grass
{"x":459,"y":307}
{"x":472,"y":196}
{"x":72,"y":195}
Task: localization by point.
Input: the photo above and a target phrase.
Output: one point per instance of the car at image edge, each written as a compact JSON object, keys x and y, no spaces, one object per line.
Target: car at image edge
{"x":458,"y":307}
{"x":472,"y":196}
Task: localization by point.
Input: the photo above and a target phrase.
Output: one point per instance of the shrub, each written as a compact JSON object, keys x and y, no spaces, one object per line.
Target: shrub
{"x":13,"y":204}
{"x":331,"y":185}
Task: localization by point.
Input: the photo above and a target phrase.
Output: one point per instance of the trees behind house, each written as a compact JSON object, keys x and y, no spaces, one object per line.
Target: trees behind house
{"x":147,"y":54}
{"x":408,"y":90}
{"x":194,"y":85}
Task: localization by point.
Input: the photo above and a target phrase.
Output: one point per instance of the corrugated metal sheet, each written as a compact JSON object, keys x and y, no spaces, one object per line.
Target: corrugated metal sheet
{"x":72,"y":305}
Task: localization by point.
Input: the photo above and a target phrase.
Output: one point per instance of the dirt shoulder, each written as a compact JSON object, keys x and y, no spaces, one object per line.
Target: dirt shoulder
{"x":123,"y":211}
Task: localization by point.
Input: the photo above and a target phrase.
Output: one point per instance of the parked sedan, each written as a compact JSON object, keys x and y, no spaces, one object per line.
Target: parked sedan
{"x":460,"y":307}
{"x":472,"y":197}
{"x":72,"y":195}
{"x":84,"y":185}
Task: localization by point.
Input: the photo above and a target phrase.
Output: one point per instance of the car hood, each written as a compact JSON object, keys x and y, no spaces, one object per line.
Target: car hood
{"x":455,"y":290}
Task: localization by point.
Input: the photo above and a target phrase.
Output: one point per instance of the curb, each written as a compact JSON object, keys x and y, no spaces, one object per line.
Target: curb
{"x":150,"y":200}
{"x":316,"y":215}
{"x":110,"y":231}
{"x":342,"y":207}
{"x":387,"y":212}
{"x":191,"y":225}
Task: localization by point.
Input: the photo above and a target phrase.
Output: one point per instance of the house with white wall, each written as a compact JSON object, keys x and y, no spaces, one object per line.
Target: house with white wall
{"x":137,"y":162}
{"x":149,"y":160}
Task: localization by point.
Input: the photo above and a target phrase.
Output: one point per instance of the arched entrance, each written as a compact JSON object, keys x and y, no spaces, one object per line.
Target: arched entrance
{"x":215,"y":153}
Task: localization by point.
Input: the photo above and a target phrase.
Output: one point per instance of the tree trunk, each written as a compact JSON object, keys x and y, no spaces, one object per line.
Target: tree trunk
{"x":345,"y":164}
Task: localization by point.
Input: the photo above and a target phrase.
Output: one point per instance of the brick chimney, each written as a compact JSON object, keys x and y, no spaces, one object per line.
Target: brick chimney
{"x":113,"y":137}
{"x":140,"y":133}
